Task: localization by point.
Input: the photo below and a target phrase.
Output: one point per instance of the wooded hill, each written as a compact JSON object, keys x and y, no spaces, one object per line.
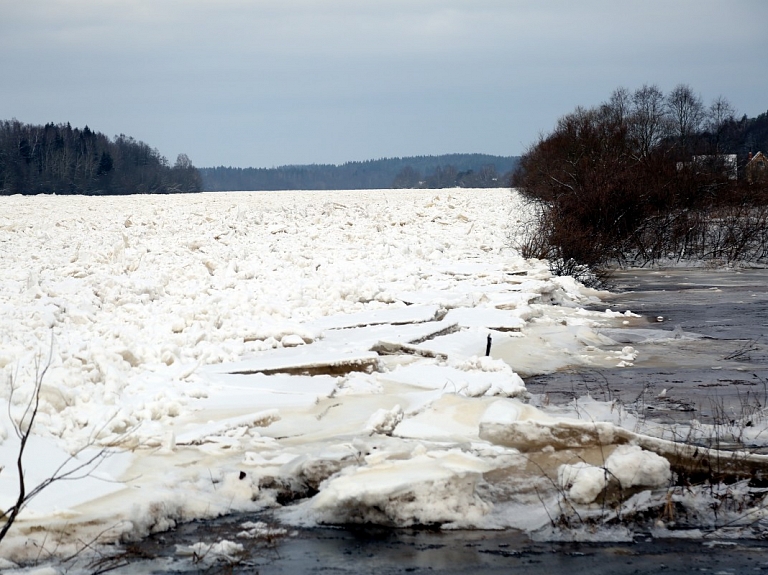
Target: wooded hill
{"x":451,"y":170}
{"x":60,"y":159}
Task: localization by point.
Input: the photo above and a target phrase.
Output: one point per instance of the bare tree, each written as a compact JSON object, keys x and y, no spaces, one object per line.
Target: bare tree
{"x":72,"y":468}
{"x":649,"y":121}
{"x":719,"y":115}
{"x":620,"y":104}
{"x":183,"y":162}
{"x":686,"y":111}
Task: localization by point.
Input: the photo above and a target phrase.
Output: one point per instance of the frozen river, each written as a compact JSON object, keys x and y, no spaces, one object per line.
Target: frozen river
{"x":316,"y":360}
{"x":726,"y":367}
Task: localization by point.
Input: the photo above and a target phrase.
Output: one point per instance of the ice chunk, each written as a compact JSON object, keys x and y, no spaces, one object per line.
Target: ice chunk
{"x":384,"y":421}
{"x":582,"y":482}
{"x":428,"y":489}
{"x":628,"y":465}
{"x":634,"y":466}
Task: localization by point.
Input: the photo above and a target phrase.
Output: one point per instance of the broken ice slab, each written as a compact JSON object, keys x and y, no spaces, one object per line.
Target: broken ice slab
{"x":364,"y":338}
{"x":447,"y":298}
{"x":507,"y":300}
{"x":339,"y":352}
{"x":234,"y":391}
{"x":450,"y":418}
{"x":391,"y":315}
{"x":481,"y":269}
{"x":467,"y":343}
{"x":305,"y":360}
{"x":491,"y":318}
{"x":217,"y":428}
{"x":405,"y":341}
{"x":427,"y":489}
{"x":498,"y":295}
{"x":454,"y":380}
{"x":395,"y":348}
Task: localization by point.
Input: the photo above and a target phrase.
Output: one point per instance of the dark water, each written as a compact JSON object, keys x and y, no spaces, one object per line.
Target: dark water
{"x":329,"y":551}
{"x":704,"y":378}
{"x":473,"y":553}
{"x":722,"y":374}
{"x":387,"y":551}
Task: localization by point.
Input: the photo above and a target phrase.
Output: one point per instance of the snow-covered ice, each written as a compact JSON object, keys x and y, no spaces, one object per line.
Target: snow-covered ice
{"x":228,"y":348}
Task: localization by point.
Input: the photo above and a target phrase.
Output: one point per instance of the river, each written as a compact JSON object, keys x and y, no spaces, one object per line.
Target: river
{"x":702,"y":354}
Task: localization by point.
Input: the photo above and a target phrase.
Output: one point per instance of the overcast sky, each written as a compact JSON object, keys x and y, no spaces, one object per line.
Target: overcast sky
{"x":271,"y":82}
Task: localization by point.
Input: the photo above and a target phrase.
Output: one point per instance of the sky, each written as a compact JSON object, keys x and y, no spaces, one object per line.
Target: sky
{"x":265,"y":83}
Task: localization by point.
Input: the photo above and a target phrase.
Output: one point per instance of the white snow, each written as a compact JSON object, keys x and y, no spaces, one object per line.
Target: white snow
{"x":216,"y":345}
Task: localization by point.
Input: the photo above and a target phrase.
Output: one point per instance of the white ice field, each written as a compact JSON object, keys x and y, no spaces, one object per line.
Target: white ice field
{"x":322,"y":348}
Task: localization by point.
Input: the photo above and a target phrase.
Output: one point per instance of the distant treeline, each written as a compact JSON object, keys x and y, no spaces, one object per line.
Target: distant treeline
{"x":745,"y":135}
{"x":445,"y":171}
{"x":60,"y":159}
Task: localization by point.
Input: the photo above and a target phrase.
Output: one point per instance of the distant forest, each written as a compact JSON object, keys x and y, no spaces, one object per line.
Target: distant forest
{"x":746,"y":135}
{"x":60,"y":159}
{"x":445,"y":171}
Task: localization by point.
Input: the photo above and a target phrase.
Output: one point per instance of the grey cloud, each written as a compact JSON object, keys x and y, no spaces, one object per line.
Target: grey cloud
{"x":267,"y":82}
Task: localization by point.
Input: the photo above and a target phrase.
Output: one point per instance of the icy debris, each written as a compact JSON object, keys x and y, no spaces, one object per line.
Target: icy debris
{"x":628,"y":353}
{"x":279,"y":459}
{"x":304,"y":474}
{"x":357,"y":383}
{"x":202,"y":552}
{"x":384,"y":421}
{"x":150,"y":331}
{"x":391,"y":348}
{"x":610,"y":313}
{"x":449,"y":418}
{"x":527,"y":429}
{"x":260,"y":530}
{"x":444,"y":298}
{"x":467,"y":343}
{"x":363,"y":338}
{"x":483,"y":363}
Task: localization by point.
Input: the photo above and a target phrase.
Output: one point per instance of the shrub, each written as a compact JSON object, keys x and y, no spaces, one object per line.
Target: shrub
{"x":605,"y":196}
